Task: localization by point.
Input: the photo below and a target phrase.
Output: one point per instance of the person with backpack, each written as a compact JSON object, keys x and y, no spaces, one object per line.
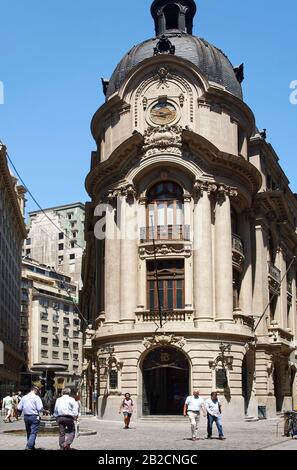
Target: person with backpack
{"x":127,"y":409}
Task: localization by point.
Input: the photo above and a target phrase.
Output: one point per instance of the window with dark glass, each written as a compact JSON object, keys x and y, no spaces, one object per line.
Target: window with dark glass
{"x":168,"y":286}
{"x":165,"y":211}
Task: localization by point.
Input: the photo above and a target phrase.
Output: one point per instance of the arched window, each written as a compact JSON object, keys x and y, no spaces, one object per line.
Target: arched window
{"x":171,"y":13}
{"x":165,"y":211}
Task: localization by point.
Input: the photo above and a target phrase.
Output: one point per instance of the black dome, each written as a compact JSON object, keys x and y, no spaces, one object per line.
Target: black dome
{"x":210,"y":60}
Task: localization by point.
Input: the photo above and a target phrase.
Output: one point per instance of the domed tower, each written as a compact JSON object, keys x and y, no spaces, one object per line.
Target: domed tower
{"x":168,"y":269}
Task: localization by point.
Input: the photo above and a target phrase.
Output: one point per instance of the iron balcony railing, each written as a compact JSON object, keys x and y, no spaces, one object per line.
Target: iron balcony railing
{"x":166,"y":233}
{"x":274,"y":272}
{"x":237,"y":244}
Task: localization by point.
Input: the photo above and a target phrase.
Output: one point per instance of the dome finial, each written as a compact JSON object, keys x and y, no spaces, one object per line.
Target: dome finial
{"x":173,"y":15}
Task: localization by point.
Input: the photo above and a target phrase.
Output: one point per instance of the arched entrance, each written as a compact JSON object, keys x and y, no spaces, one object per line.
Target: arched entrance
{"x":166,"y":380}
{"x":248,"y":374}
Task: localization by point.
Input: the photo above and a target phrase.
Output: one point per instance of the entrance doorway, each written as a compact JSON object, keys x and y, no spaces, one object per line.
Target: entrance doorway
{"x":248,"y":374}
{"x":166,"y":377}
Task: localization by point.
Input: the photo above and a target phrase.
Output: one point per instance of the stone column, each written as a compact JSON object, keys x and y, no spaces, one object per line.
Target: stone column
{"x":129,"y":259}
{"x":202,"y":249}
{"x":278,"y":310}
{"x":246,"y":293}
{"x":112,"y":267}
{"x":283,"y":290}
{"x":261,"y":287}
{"x":223,"y":253}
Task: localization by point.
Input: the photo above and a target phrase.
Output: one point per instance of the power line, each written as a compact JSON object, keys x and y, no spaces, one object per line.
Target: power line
{"x":37,"y":203}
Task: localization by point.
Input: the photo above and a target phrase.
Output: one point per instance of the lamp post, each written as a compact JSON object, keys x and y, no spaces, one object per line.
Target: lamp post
{"x":226,"y":361}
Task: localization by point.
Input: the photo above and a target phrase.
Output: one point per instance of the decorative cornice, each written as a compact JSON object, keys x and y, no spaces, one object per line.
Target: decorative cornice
{"x":127,"y":190}
{"x":169,"y":248}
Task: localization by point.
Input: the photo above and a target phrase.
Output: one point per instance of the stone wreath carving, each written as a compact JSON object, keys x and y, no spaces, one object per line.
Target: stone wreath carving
{"x":164,"y":340}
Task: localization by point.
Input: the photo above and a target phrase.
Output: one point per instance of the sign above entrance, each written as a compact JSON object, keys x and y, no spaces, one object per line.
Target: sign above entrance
{"x":221,"y":379}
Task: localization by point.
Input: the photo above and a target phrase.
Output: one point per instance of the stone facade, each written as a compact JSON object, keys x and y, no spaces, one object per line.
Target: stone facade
{"x":50,"y":322}
{"x":12,"y":235}
{"x":50,"y":246}
{"x":221,"y":235}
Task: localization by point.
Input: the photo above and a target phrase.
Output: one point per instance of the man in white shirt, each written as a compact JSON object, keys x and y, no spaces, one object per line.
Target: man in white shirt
{"x":193,"y":406}
{"x":31,"y":406}
{"x":213,"y":408}
{"x":66,"y":412}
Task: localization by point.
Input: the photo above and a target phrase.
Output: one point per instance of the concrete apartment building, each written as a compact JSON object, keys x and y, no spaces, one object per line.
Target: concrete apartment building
{"x":50,"y":246}
{"x":50,"y":323}
{"x":12,"y":235}
{"x":177,"y":306}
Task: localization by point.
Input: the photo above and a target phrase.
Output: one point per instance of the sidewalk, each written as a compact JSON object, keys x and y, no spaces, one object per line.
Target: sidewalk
{"x":161,"y":436}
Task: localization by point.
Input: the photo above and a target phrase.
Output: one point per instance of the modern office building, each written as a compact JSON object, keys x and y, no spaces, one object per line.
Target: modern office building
{"x":56,"y":238}
{"x":51,"y":331}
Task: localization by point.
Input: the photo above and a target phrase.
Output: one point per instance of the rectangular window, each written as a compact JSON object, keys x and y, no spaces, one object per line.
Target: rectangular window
{"x":44,"y":353}
{"x":75,"y":346}
{"x":28,"y":252}
{"x":55,"y":354}
{"x":72,"y":256}
{"x":55,"y":342}
{"x":55,"y":330}
{"x":43,"y":316}
{"x":44,"y":340}
{"x":44,"y":328}
{"x":76,"y":322}
{"x":75,"y":357}
{"x":61,"y":236}
{"x":66,"y":308}
{"x":66,"y":321}
{"x":170,"y":286}
{"x":28,"y":241}
{"x":61,"y":260}
{"x":76,"y":334}
{"x":61,"y":246}
{"x":65,"y":356}
{"x":65,"y":344}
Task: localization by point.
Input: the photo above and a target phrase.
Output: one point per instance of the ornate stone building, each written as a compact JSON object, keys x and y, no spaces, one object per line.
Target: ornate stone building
{"x":12,"y":235}
{"x":205,"y":295}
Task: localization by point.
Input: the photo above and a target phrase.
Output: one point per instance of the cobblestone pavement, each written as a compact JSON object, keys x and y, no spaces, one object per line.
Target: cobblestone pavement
{"x":170,"y":435}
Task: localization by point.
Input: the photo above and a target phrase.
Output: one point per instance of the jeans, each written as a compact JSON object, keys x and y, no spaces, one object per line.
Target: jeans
{"x":194,"y":418}
{"x":214,"y":419}
{"x":32,"y":423}
{"x":66,"y":426}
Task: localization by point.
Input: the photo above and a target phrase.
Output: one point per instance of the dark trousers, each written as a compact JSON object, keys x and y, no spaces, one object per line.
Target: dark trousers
{"x":66,"y":430}
{"x":32,"y":423}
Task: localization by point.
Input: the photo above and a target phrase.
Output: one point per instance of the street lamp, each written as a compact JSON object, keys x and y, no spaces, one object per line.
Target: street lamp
{"x":226,"y":360}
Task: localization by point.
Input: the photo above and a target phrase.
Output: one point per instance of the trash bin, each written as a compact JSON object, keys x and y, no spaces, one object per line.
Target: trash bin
{"x":262,"y":412}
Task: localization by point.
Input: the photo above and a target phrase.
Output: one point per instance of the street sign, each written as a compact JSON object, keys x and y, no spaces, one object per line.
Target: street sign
{"x":1,"y":353}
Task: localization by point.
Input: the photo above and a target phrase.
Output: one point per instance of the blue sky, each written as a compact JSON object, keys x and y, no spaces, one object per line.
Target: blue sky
{"x":53,"y":53}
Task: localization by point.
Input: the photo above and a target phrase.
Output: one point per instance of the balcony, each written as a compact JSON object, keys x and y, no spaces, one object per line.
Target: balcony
{"x":238,"y":257}
{"x":281,"y":338}
{"x":274,"y":277}
{"x":165,"y":233}
{"x":176,"y":315}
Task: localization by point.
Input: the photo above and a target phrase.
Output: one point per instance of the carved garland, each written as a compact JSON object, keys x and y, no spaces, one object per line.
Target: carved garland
{"x":164,"y":340}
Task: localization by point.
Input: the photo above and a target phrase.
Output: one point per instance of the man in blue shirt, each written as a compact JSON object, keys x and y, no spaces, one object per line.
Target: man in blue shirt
{"x":31,"y":405}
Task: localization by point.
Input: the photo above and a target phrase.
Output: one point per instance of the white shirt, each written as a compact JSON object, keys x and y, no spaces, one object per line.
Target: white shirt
{"x":30,"y":404}
{"x":194,"y":404}
{"x":213,"y":407}
{"x":66,"y":406}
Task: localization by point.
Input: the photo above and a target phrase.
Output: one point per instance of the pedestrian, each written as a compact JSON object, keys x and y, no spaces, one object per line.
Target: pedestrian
{"x":15,"y":413}
{"x":66,"y":413}
{"x":31,"y":406}
{"x":8,"y":407}
{"x":77,"y":399}
{"x":192,"y":408}
{"x":126,"y":407}
{"x":214,"y":412}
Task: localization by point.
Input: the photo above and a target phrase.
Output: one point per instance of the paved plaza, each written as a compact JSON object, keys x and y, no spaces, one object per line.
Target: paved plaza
{"x":167,"y":435}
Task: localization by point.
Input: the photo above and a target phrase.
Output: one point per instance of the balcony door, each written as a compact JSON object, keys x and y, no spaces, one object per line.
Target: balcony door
{"x":165,"y":211}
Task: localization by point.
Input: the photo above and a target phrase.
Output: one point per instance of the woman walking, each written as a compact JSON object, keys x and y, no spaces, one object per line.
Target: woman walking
{"x":127,"y":409}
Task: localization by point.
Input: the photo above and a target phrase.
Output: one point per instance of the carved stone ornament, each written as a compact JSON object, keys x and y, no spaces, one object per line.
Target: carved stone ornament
{"x":204,"y":186}
{"x":163,"y":250}
{"x":163,"y":139}
{"x":163,"y":75}
{"x":164,"y":46}
{"x":127,"y":190}
{"x":164,"y":340}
